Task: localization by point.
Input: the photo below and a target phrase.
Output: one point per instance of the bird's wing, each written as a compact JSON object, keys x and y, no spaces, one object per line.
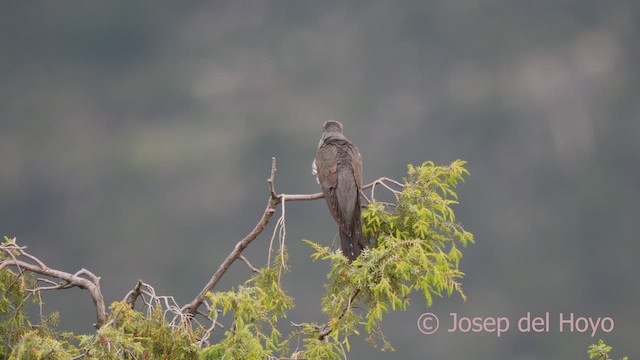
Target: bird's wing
{"x":327,"y":167}
{"x":356,"y":164}
{"x":348,"y":188}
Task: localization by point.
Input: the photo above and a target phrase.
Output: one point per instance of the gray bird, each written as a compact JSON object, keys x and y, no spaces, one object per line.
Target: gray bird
{"x":338,"y":168}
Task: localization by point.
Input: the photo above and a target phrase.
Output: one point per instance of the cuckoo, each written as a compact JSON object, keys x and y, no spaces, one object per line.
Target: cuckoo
{"x":338,"y":168}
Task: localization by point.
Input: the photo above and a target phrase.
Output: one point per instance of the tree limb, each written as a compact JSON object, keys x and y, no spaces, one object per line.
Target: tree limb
{"x":274,"y":200}
{"x":251,"y":267}
{"x":83,"y":279}
{"x":133,"y":295}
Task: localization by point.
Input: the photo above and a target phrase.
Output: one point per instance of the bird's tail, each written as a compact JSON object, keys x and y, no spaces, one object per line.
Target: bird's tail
{"x":352,"y":245}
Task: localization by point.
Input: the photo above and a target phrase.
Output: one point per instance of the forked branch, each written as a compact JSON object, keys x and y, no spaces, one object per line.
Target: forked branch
{"x":18,"y":258}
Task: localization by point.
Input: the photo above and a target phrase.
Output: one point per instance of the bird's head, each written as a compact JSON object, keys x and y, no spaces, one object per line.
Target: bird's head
{"x":332,"y":126}
{"x":331,"y":130}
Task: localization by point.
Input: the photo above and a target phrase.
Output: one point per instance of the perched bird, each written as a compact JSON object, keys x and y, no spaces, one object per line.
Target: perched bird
{"x":338,"y":169}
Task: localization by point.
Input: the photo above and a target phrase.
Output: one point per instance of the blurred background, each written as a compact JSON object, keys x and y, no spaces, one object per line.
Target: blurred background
{"x":136,"y":137}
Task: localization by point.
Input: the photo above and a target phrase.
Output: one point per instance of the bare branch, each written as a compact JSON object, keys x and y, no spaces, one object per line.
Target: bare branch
{"x":279,"y":223}
{"x":272,"y":188}
{"x":365,"y":196}
{"x":316,"y":196}
{"x":253,"y":268}
{"x":192,"y":307}
{"x":302,"y":197}
{"x":33,"y":258}
{"x":382,"y":179}
{"x":382,"y":182}
{"x":272,"y":203}
{"x":133,"y":295}
{"x":83,"y":279}
{"x":282,"y":234}
{"x":296,"y":325}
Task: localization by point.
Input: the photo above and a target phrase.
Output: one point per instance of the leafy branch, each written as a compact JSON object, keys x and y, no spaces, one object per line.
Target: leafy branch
{"x":416,"y":248}
{"x":600,"y":351}
{"x":16,"y":256}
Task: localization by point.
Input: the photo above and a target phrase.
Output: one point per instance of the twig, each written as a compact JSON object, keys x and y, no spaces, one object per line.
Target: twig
{"x":316,"y":196}
{"x":382,"y":183}
{"x":272,"y":189}
{"x":273,"y":237}
{"x":133,"y":295}
{"x":300,"y":326}
{"x":282,"y":236}
{"x":364,"y":196}
{"x":253,"y":268}
{"x":326,"y":330}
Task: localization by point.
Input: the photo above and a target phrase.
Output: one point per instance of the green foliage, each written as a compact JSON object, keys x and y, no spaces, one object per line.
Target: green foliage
{"x":14,"y":323}
{"x":416,"y":249}
{"x":257,"y":306}
{"x":128,"y":335}
{"x":213,"y":352}
{"x":33,"y":346}
{"x":600,"y":351}
{"x":132,"y":335}
{"x":22,"y":339}
{"x":321,"y":349}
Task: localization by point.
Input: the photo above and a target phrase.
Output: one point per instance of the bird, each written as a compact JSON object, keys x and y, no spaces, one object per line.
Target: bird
{"x":338,"y":170}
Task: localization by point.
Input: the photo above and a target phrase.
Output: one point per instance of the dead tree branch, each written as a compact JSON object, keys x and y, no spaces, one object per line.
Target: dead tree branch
{"x":253,"y":268}
{"x":272,"y":203}
{"x":274,"y":200}
{"x":131,"y":298}
{"x":83,"y":279}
